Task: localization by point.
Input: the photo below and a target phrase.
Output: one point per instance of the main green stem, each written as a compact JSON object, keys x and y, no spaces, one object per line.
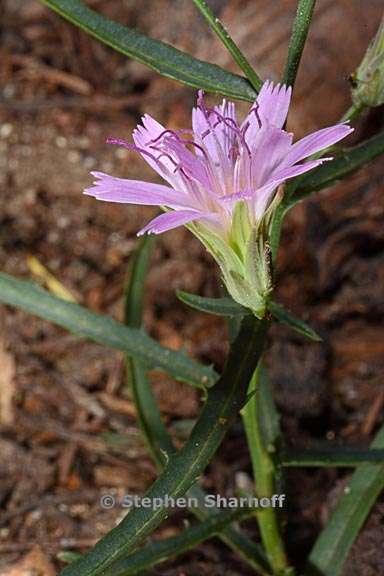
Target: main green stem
{"x":353,"y":112}
{"x":264,"y":472}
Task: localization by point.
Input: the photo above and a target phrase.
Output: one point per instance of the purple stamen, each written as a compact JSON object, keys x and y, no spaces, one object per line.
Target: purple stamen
{"x":131,"y":147}
{"x":233,"y":126}
{"x":255,"y":111}
{"x":174,"y":133}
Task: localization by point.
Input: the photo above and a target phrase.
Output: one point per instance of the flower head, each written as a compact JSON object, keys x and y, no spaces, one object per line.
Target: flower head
{"x":223,"y":177}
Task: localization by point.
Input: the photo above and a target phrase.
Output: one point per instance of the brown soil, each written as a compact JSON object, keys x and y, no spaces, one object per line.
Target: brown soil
{"x":68,"y":427}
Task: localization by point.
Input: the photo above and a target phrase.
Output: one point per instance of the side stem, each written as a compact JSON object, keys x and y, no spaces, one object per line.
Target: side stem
{"x":300,"y":30}
{"x":264,"y":472}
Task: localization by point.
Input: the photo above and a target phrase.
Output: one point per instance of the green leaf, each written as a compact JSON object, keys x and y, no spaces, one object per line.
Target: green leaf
{"x":157,"y":438}
{"x":298,"y":37}
{"x":162,"y":550}
{"x":161,"y":57}
{"x":224,"y":400}
{"x":275,"y":229}
{"x":134,"y":287}
{"x":329,"y":457}
{"x":298,"y":325}
{"x":102,"y":329}
{"x":334,"y":543}
{"x":337,"y":169}
{"x":232,"y":48}
{"x":225,"y":306}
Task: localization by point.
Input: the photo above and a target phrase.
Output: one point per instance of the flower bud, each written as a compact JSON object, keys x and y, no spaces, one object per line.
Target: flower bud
{"x":368,"y":80}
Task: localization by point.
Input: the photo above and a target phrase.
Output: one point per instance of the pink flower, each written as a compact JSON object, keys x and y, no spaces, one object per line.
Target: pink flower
{"x":218,"y":163}
{"x":222,"y":181}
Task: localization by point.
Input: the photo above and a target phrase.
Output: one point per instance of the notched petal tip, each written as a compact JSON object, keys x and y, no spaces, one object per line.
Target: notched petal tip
{"x":90,"y":191}
{"x":273,"y":103}
{"x":143,"y":231}
{"x":99,"y":175}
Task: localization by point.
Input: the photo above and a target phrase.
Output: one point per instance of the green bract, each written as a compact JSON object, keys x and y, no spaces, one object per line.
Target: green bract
{"x":244,"y":259}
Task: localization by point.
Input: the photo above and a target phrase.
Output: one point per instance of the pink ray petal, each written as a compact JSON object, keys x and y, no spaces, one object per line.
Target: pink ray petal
{"x":317,"y":141}
{"x":273,"y":148}
{"x":263,"y":198}
{"x":170,"y":220}
{"x":273,"y":103}
{"x":216,"y":129}
{"x":112,"y":189}
{"x":193,"y":165}
{"x":144,"y":137}
{"x":271,"y":109}
{"x":292,"y":171}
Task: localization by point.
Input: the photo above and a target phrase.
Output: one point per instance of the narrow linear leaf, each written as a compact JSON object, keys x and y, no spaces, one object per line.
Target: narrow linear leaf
{"x":329,"y":457}
{"x":298,"y":325}
{"x":334,"y":543}
{"x":224,"y":401}
{"x":162,"y":550}
{"x":157,"y":438}
{"x":275,"y":229}
{"x":231,"y":46}
{"x":299,"y":34}
{"x":233,"y":324}
{"x":134,"y":286}
{"x":337,"y":169}
{"x":154,"y":431}
{"x":164,"y":58}
{"x":102,"y":329}
{"x":219,"y":306}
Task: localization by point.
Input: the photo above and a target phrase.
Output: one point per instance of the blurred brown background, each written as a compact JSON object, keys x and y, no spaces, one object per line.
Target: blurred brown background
{"x":68,"y":426}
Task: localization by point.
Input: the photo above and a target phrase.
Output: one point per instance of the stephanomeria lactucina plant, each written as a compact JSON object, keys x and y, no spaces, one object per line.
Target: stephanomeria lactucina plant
{"x":231,"y":183}
{"x":225,"y":179}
